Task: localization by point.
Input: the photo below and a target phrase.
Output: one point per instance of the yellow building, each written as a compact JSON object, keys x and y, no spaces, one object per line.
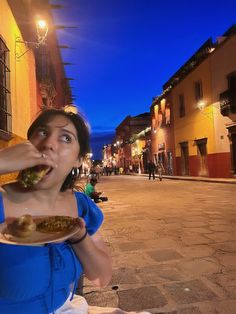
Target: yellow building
{"x":194,"y":119}
{"x":31,"y":70}
{"x":17,"y":80}
{"x":201,"y":141}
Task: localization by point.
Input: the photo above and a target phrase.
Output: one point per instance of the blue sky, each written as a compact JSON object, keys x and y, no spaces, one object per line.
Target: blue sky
{"x":123,"y":52}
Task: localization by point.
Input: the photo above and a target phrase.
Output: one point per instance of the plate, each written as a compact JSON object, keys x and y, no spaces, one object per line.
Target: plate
{"x":36,"y":238}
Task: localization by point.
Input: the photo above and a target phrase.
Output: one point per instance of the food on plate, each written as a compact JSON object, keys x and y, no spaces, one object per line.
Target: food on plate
{"x":55,"y":224}
{"x":31,"y":176}
{"x":22,"y":226}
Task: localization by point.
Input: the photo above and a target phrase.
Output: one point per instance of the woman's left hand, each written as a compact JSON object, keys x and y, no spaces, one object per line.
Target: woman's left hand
{"x":81,"y":232}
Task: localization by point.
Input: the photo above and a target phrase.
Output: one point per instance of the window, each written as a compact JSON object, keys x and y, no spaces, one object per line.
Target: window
{"x":156,"y":108}
{"x":160,"y":117}
{"x":198,"y":90}
{"x":181,"y":106}
{"x":167,"y":114}
{"x":5,"y":116}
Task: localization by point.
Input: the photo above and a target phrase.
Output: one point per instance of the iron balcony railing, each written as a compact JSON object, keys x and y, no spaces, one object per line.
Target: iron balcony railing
{"x":228,"y":102}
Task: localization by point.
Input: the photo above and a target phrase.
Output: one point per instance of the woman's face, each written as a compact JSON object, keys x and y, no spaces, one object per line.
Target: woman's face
{"x":57,"y":139}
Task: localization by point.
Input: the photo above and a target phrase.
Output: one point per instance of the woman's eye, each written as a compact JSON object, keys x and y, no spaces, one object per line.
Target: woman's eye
{"x":42,"y":132}
{"x":66,"y":138}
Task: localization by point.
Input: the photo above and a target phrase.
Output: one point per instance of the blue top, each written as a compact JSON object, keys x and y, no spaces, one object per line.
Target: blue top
{"x":37,"y":279}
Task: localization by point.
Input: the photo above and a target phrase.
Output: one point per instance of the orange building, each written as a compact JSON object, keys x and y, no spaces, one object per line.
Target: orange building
{"x":162,"y":132}
{"x":132,"y":142}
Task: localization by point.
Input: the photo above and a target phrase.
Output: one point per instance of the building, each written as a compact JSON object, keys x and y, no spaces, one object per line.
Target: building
{"x":162,"y":132}
{"x":130,"y":144}
{"x":31,"y":70}
{"x":193,"y":120}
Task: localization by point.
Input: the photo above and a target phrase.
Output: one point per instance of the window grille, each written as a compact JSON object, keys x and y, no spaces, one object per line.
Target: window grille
{"x":5,"y":107}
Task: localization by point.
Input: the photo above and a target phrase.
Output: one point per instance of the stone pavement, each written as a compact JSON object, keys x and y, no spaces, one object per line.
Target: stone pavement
{"x":173,"y":245}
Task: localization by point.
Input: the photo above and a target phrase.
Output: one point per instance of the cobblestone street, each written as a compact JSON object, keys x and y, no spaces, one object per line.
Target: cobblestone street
{"x":173,"y":245}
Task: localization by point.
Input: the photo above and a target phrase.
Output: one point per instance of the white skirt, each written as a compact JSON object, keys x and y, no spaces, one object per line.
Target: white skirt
{"x":80,"y":306}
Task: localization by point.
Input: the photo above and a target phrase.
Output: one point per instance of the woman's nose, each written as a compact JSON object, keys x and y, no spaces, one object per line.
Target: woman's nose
{"x":50,"y":144}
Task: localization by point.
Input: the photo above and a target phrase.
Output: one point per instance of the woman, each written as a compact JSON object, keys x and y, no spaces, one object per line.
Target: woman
{"x":42,"y":279}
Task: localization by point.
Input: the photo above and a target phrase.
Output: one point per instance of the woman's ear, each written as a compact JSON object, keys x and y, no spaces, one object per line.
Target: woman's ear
{"x":78,"y":162}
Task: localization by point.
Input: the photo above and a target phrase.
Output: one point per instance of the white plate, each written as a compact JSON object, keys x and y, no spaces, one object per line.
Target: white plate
{"x":36,"y":238}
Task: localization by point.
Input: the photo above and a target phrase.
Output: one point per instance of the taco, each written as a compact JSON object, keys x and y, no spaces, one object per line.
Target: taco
{"x":31,"y":176}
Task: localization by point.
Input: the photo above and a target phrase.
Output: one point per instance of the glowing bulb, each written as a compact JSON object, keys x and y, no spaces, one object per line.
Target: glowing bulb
{"x":201,"y":105}
{"x":41,"y":24}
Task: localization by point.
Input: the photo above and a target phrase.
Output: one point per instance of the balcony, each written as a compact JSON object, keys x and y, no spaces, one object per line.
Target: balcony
{"x":228,"y":102}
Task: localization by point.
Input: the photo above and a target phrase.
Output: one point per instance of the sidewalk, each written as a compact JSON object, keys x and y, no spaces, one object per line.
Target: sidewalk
{"x":188,"y":178}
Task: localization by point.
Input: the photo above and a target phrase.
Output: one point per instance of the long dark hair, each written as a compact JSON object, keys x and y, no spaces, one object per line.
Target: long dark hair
{"x":82,"y":133}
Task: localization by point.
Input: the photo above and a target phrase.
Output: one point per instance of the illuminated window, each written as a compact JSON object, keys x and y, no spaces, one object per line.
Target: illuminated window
{"x":5,"y":115}
{"x":156,"y":108}
{"x":160,"y":117}
{"x":167,"y":114}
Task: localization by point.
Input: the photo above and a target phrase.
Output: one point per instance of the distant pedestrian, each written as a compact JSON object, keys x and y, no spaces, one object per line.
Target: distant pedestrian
{"x":151,"y":169}
{"x":130,"y":168}
{"x":160,"y":170}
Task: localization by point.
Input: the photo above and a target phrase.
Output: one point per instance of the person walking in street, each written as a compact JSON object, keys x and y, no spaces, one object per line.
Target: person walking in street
{"x":151,"y":169}
{"x":160,"y":169}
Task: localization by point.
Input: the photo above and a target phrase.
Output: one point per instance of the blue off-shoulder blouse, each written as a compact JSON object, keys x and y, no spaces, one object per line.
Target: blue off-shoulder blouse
{"x":39,"y":279}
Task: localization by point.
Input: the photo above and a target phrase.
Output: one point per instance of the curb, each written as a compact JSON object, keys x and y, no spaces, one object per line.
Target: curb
{"x":200,"y":179}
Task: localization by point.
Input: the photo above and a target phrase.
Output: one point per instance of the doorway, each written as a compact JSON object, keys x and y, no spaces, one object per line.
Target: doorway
{"x":233,"y":138}
{"x":169,"y":163}
{"x":202,"y":156}
{"x":184,"y":159}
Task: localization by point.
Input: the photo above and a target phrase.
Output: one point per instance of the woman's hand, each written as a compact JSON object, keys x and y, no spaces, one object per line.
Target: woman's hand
{"x":81,"y":232}
{"x":22,"y":156}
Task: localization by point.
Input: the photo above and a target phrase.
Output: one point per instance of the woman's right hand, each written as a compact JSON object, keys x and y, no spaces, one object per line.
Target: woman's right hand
{"x":22,"y":156}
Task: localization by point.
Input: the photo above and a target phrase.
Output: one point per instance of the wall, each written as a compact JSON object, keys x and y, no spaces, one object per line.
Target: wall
{"x":223,"y":62}
{"x":22,"y":76}
{"x":195,"y":124}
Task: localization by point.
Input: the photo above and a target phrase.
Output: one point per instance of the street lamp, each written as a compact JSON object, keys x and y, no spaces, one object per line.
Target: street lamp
{"x":201,"y":105}
{"x":42,"y":31}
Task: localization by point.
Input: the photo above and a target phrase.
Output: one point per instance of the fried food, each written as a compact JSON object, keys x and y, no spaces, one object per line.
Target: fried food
{"x":55,"y":224}
{"x":22,"y":226}
{"x":32,"y":176}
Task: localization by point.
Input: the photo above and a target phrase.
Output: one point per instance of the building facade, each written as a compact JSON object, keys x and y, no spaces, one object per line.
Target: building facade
{"x":162,"y":132}
{"x":22,"y":71}
{"x":132,"y":143}
{"x":200,"y":137}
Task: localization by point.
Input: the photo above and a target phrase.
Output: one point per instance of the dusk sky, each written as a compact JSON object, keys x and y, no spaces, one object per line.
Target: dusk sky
{"x":123,"y":51}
